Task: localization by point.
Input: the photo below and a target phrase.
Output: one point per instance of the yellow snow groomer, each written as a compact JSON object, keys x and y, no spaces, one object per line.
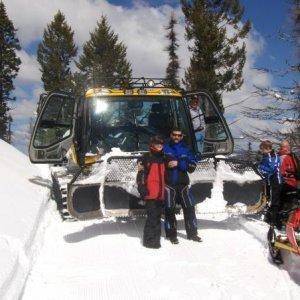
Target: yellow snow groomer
{"x":93,"y":143}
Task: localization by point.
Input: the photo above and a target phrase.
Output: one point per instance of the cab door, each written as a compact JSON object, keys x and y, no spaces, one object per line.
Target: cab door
{"x":213,"y":137}
{"x":53,"y":132}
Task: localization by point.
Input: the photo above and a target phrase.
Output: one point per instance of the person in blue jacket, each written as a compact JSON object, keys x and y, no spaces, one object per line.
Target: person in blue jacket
{"x":180,"y":161}
{"x":270,"y":169}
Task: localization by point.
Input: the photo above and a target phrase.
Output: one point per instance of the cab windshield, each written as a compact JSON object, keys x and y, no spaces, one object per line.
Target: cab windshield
{"x":128,"y":122}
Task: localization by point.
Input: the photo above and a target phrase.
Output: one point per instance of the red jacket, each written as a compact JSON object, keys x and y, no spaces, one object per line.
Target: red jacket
{"x":151,"y":180}
{"x":288,"y":168}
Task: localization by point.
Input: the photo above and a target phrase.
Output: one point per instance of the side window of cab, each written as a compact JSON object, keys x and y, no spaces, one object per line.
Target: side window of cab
{"x":53,"y":131}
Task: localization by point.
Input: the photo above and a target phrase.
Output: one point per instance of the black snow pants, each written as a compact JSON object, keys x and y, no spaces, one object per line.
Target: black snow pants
{"x":274,"y":192}
{"x":152,"y":229}
{"x":179,"y":195}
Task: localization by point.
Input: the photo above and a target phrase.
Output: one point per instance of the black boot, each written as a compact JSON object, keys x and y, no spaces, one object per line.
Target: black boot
{"x":151,"y":245}
{"x":195,"y":238}
{"x":174,"y":240}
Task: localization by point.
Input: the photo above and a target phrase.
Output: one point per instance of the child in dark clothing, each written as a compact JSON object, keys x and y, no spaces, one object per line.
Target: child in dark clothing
{"x":151,"y":186}
{"x":270,"y":169}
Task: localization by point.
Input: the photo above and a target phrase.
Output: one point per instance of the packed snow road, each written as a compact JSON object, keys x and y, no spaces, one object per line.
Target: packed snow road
{"x":105,"y":260}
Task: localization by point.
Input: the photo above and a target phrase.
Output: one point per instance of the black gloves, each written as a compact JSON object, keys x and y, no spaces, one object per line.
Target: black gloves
{"x":142,"y":190}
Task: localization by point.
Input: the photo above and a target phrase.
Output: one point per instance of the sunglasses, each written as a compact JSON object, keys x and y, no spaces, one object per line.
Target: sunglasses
{"x":177,"y":134}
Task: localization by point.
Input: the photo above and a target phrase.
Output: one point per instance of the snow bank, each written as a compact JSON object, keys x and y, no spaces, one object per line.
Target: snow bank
{"x":23,"y":198}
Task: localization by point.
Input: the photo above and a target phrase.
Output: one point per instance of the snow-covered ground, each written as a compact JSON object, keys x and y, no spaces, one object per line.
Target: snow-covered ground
{"x":104,"y":259}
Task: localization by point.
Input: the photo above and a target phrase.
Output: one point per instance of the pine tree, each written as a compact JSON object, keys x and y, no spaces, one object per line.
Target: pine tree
{"x":104,"y":57}
{"x":173,"y":66}
{"x":281,"y":103}
{"x":218,"y":55}
{"x":55,"y":54}
{"x":9,"y":67}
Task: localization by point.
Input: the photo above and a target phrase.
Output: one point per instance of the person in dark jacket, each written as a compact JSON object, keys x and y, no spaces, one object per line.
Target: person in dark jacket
{"x":180,"y":161}
{"x":270,"y":169}
{"x":151,"y":186}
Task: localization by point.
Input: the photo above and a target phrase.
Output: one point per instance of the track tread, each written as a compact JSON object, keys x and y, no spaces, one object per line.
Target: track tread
{"x":60,"y":180}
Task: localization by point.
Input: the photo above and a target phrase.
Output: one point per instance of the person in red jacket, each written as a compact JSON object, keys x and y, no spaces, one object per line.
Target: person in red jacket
{"x":151,"y":186}
{"x":289,"y":167}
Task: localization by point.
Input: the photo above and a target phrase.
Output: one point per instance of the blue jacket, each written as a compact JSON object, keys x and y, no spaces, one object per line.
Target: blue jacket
{"x":186,"y":162}
{"x":270,"y":166}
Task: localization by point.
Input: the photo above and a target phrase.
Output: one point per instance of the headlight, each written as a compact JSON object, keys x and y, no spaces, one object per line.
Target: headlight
{"x":101,"y":106}
{"x":150,"y":83}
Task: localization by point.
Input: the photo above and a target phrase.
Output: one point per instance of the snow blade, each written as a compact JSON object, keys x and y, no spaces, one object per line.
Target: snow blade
{"x":113,"y":192}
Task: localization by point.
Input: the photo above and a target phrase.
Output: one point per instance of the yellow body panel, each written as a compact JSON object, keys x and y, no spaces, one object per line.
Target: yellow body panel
{"x":72,"y":154}
{"x":100,"y":92}
{"x":91,"y":159}
{"x":88,"y":160}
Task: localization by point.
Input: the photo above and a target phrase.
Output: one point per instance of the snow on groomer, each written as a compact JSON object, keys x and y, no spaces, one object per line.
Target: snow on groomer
{"x":180,"y":161}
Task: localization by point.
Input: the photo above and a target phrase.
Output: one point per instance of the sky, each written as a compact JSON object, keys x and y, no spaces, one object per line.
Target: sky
{"x":140,"y":25}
